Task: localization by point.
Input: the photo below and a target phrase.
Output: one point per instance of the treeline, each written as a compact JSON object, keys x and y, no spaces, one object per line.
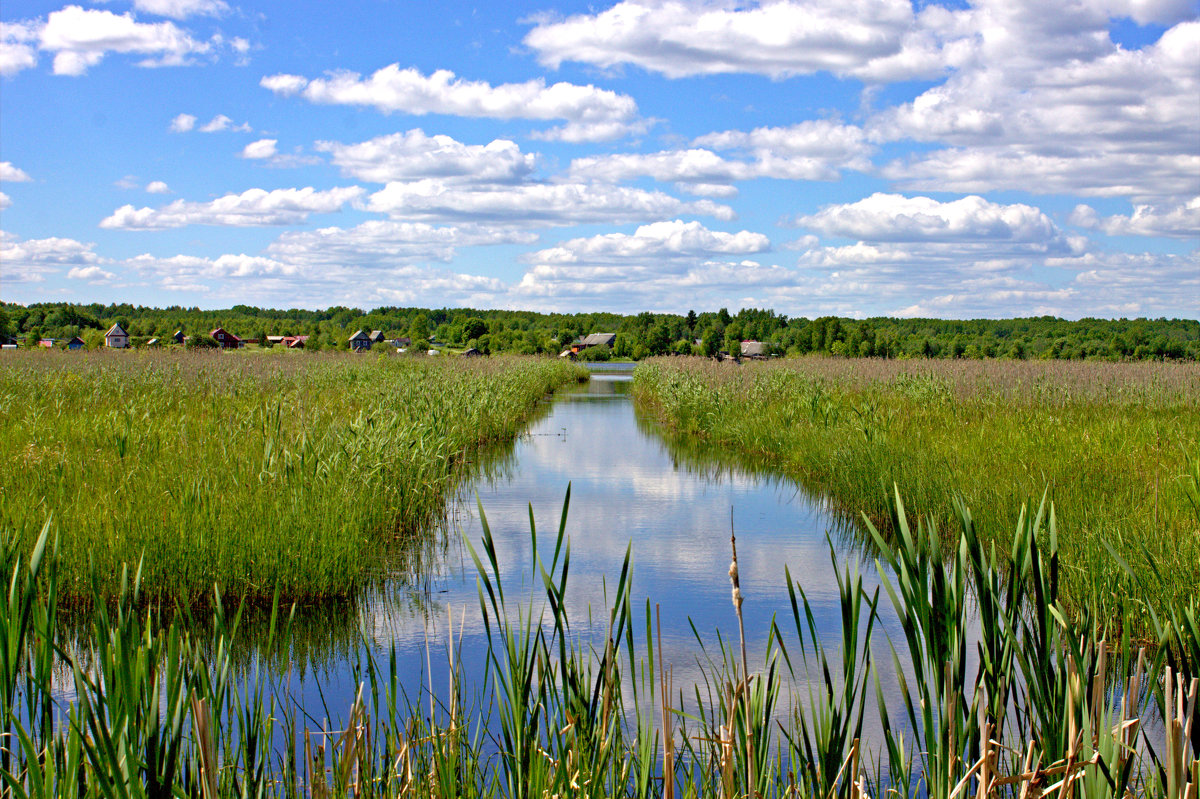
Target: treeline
{"x":638,"y":336}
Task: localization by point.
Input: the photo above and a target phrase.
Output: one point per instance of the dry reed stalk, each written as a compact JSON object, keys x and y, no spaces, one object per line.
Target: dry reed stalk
{"x":737,"y":606}
{"x":208,"y":757}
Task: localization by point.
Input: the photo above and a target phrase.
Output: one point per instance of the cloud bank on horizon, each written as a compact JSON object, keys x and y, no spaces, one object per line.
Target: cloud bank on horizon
{"x":851,"y":157}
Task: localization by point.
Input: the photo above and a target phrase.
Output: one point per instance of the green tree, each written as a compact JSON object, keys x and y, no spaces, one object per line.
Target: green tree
{"x":474,"y":328}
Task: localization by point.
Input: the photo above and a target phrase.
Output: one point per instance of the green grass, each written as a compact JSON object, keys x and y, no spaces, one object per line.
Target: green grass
{"x":260,"y":473}
{"x":1110,"y":443}
{"x":157,"y":710}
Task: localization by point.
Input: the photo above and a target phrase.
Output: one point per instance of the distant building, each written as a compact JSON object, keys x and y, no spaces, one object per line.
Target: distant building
{"x":473,"y":352}
{"x":116,"y":337}
{"x":225,"y":340}
{"x":754,"y":349}
{"x":360,"y":341}
{"x":376,"y":337}
{"x":400,"y":342}
{"x":153,"y":343}
{"x":594,"y":340}
{"x":48,"y":343}
{"x":75,"y":343}
{"x":295,"y":342}
{"x":178,"y":337}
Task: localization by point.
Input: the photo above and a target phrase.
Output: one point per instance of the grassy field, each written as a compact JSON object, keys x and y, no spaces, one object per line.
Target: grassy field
{"x":1113,"y":444}
{"x":261,"y":472}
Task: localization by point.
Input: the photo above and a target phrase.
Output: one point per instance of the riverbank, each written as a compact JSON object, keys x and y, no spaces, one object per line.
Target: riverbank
{"x":1110,"y":444}
{"x":262,"y":475}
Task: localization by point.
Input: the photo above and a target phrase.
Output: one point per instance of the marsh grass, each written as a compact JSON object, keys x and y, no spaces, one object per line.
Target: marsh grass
{"x":293,"y":475}
{"x":158,"y":710}
{"x":1112,"y":443}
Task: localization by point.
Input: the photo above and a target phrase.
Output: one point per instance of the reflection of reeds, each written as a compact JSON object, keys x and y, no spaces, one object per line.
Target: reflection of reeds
{"x":1052,"y":710}
{"x":290,"y":474}
{"x":1111,"y":441}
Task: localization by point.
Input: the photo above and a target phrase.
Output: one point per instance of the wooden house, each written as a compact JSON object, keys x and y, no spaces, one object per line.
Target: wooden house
{"x":594,"y":340}
{"x":360,"y":341}
{"x":116,"y":337}
{"x":754,"y":349}
{"x":48,"y":343}
{"x":225,"y":340}
{"x":178,"y":337}
{"x":376,"y":337}
{"x":75,"y":344}
{"x":295,"y":342}
{"x":473,"y":352}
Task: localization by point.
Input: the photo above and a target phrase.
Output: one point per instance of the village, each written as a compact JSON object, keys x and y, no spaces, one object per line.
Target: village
{"x":594,"y":346}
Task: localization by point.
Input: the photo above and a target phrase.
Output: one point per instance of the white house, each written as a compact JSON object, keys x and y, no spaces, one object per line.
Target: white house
{"x":116,"y":337}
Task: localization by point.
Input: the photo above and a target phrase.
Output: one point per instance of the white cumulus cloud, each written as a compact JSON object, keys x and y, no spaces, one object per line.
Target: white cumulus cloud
{"x":157,"y":187}
{"x":33,"y":260}
{"x":533,"y":204}
{"x":590,"y":112}
{"x":1178,"y":221}
{"x":263,"y":148}
{"x":80,"y":38}
{"x":679,"y":38}
{"x":254,"y":207}
{"x":12,"y":174}
{"x":182,"y":9}
{"x":183,"y":123}
{"x":17,"y":47}
{"x":413,"y":155}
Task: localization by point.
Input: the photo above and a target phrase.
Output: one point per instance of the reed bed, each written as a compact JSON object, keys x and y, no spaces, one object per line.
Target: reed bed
{"x":1054,"y":709}
{"x":262,"y":473}
{"x":1111,"y":444}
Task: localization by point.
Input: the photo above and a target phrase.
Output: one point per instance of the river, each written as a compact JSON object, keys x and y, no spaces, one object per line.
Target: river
{"x":629,"y":488}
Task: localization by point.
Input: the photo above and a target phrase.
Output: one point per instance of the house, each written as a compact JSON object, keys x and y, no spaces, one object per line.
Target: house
{"x":401,"y":342}
{"x":360,"y":341}
{"x":225,"y":340}
{"x":376,"y":337}
{"x":473,"y":352}
{"x":754,"y":349}
{"x":116,"y":337}
{"x":48,"y":343}
{"x":75,"y":343}
{"x":594,"y":340}
{"x":278,"y":339}
{"x":295,"y":342}
{"x":178,"y":337}
{"x":153,"y":343}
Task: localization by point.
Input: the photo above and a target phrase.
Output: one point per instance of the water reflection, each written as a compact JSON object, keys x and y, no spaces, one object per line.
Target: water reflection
{"x":672,"y":503}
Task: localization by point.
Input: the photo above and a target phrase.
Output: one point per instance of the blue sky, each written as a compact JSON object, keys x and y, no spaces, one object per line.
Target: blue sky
{"x":852,"y":157}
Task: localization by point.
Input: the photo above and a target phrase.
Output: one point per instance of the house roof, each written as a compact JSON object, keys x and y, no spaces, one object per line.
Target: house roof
{"x":358,"y":334}
{"x":753,"y":348}
{"x":217,"y":330}
{"x":76,"y":339}
{"x":116,"y":330}
{"x":376,"y":336}
{"x":598,"y":339}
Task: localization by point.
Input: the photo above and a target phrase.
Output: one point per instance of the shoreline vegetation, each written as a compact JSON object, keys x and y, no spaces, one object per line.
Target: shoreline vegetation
{"x":1112,"y":446}
{"x":265,"y":475}
{"x":1055,"y":708}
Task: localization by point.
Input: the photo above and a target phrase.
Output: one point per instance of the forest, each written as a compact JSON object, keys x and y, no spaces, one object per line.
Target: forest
{"x":638,"y":336}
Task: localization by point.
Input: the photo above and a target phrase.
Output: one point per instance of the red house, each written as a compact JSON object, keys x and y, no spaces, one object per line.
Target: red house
{"x":226,"y":340}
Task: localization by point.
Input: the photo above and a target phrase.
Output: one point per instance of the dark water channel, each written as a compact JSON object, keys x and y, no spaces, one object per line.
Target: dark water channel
{"x":628,"y":486}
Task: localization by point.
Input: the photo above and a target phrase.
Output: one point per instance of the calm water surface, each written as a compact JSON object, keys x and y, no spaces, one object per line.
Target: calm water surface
{"x":628,"y":489}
